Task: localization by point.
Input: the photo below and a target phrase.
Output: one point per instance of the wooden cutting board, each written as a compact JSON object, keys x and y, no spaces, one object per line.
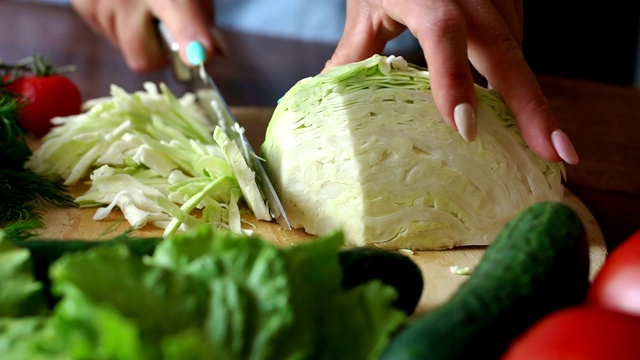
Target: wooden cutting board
{"x":439,"y":281}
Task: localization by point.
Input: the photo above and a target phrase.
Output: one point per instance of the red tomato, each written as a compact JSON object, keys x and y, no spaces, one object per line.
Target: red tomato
{"x":617,"y":284}
{"x":47,"y":96}
{"x":585,"y":332}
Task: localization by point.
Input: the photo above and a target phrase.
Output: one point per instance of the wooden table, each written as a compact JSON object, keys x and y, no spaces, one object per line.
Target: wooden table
{"x":602,"y":120}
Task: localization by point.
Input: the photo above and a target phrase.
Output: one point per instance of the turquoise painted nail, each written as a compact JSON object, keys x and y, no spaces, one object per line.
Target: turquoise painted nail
{"x":196,"y":53}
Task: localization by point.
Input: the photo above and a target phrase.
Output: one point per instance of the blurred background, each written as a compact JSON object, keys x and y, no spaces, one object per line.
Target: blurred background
{"x":574,"y":39}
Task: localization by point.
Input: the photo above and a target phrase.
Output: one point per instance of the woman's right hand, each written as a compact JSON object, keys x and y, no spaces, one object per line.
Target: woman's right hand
{"x":130,"y":25}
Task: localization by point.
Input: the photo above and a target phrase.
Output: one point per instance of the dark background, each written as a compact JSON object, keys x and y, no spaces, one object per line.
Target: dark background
{"x":578,"y":39}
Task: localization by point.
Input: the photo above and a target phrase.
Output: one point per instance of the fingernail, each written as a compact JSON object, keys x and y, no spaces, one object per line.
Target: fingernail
{"x":465,"y":119}
{"x":196,"y":53}
{"x":564,"y":147}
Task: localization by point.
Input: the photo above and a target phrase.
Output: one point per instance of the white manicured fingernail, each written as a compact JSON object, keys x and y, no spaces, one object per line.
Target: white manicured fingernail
{"x":564,"y":147}
{"x":465,"y":119}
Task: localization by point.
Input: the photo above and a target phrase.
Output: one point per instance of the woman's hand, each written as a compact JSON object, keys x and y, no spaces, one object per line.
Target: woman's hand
{"x":130,"y":25}
{"x":451,"y":33}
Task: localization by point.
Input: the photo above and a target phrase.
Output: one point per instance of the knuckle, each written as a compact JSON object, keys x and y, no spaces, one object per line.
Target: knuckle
{"x":445,"y":21}
{"x":509,"y":47}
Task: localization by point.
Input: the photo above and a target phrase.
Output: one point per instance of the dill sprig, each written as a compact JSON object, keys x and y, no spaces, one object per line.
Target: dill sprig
{"x":13,"y":144}
{"x":23,"y":193}
{"x":21,"y":230}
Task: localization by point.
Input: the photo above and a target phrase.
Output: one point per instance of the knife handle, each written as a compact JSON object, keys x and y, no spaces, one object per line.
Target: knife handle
{"x":182,"y":72}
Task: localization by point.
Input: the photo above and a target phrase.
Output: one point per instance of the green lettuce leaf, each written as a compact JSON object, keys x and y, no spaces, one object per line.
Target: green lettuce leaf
{"x":207,"y":294}
{"x":20,"y":293}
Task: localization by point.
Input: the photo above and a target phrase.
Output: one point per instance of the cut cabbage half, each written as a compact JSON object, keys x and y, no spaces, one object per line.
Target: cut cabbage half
{"x":362,"y":148}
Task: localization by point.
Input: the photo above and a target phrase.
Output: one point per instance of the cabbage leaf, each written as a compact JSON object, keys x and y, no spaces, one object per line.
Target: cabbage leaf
{"x":153,"y":156}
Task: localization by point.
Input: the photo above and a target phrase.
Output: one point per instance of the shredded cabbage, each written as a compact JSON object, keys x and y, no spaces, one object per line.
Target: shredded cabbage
{"x":362,"y":148}
{"x":154,"y":157}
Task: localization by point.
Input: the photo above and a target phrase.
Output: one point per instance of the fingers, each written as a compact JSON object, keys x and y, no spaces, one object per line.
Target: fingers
{"x":442,"y":32}
{"x":511,"y":13}
{"x":130,"y":26}
{"x":494,"y":48}
{"x":98,"y":16}
{"x":440,"y":27}
{"x":137,"y":39}
{"x":189,"y":21}
{"x":365,"y":33}
{"x":451,"y":33}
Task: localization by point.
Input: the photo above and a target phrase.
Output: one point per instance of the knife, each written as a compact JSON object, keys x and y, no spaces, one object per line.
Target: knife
{"x":208,"y":95}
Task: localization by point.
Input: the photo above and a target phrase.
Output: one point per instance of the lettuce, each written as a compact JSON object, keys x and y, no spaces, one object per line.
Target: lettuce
{"x":362,"y":148}
{"x":206,"y":294}
{"x":20,"y":293}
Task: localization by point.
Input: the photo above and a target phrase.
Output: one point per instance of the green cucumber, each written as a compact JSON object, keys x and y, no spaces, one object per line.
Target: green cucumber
{"x":538,"y":263}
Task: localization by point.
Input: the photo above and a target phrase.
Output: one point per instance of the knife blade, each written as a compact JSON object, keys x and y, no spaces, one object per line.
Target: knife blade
{"x":215,"y":107}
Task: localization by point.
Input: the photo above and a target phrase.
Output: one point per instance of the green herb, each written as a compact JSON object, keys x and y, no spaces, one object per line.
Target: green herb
{"x":21,"y":230}
{"x":22,"y":192}
{"x":14,"y":147}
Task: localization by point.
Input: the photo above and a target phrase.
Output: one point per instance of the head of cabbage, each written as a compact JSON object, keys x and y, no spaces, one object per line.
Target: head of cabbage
{"x":362,"y":148}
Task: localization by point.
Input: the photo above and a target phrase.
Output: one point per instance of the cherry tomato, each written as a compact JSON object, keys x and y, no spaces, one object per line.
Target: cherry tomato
{"x":584,"y":332}
{"x":617,"y":284}
{"x":46,"y":96}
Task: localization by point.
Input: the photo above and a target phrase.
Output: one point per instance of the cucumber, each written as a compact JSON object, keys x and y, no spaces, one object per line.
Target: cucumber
{"x":362,"y":264}
{"x":538,"y":263}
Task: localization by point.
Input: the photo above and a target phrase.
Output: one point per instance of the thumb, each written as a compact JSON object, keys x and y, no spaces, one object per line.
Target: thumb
{"x":359,"y":39}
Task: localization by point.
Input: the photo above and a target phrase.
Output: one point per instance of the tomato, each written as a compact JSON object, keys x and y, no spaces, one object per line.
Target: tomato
{"x":583,"y":332}
{"x":617,"y":284}
{"x":46,"y":96}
